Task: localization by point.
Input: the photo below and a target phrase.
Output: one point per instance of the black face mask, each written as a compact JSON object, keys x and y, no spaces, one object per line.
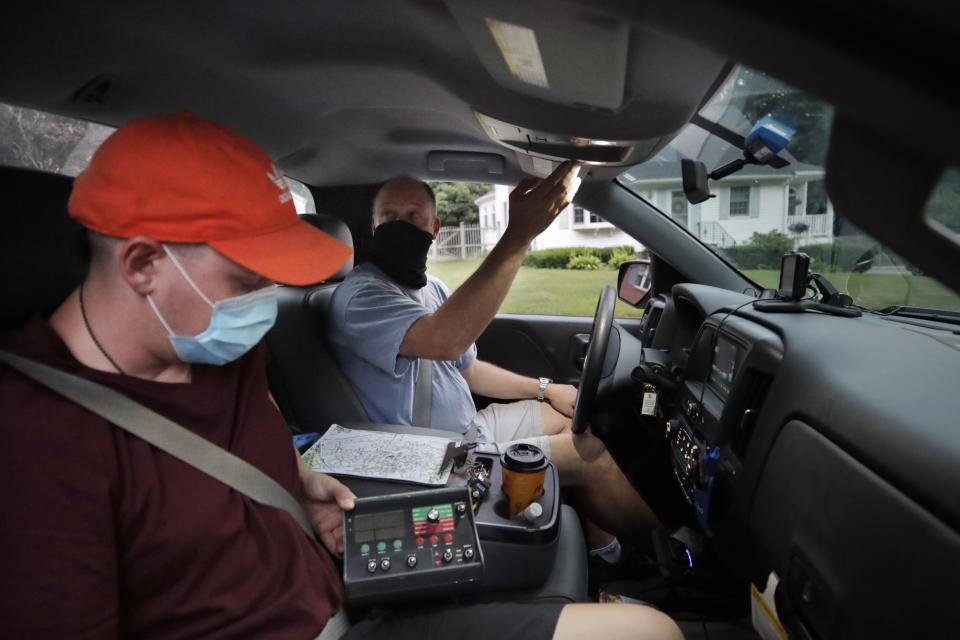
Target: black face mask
{"x":400,"y":249}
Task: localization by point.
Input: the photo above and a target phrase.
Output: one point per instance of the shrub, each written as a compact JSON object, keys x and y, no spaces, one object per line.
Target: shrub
{"x":843,"y":255}
{"x":585,"y":262}
{"x":560,"y":258}
{"x":763,"y":251}
{"x":550,"y":258}
{"x":619,"y":256}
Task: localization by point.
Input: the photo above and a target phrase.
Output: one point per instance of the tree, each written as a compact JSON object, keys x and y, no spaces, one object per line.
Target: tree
{"x":455,"y":201}
{"x":810,"y":116}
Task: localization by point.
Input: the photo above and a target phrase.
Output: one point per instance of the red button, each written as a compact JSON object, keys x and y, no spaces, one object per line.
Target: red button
{"x":419,"y":541}
{"x":448,"y":537}
{"x":434,"y":540}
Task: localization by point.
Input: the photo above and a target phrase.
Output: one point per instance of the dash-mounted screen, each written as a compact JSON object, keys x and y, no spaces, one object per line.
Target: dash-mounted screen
{"x":724,"y":365}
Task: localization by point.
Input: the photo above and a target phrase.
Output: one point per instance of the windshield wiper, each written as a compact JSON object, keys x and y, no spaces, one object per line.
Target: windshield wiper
{"x":923,"y":313}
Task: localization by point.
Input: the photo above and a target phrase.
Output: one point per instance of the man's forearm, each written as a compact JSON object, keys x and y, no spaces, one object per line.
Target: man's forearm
{"x":449,"y":332}
{"x":485,"y":379}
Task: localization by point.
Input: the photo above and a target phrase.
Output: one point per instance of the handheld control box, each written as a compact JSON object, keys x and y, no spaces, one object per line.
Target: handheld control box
{"x":410,"y":544}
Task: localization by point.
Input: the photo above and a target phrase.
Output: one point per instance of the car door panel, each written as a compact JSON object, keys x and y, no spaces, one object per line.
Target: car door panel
{"x":550,"y":346}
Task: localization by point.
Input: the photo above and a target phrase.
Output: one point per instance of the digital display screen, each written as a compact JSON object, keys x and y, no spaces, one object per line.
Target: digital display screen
{"x":724,"y":365}
{"x":378,"y":526}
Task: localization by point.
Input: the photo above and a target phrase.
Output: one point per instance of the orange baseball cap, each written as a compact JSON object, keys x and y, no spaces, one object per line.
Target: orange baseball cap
{"x":179,"y":178}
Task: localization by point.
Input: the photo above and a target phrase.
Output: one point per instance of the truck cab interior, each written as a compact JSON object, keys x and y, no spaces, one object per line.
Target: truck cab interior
{"x":802,"y":458}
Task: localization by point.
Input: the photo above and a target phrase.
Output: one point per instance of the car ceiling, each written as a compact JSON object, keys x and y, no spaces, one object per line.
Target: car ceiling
{"x":354,"y":92}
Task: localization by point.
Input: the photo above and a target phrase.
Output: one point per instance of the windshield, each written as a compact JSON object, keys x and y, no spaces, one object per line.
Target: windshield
{"x":760,"y":212}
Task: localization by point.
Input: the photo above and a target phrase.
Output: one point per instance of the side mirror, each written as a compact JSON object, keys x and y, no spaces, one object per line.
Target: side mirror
{"x":633,"y":282}
{"x":695,"y":177}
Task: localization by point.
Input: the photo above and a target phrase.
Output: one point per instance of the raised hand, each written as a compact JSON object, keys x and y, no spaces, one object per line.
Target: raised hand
{"x":535,"y":203}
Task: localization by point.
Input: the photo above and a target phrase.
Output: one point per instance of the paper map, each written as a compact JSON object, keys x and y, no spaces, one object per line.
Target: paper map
{"x":379,"y":454}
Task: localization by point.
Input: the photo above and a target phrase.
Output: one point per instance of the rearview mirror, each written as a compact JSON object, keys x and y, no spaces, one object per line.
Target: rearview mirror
{"x":695,"y":176}
{"x":633,"y":282}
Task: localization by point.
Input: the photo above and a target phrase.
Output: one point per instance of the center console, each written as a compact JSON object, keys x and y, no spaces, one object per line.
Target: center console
{"x":517,"y":553}
{"x":730,"y":367}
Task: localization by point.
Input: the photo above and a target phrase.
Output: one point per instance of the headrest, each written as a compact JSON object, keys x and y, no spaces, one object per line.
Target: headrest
{"x":43,"y":253}
{"x":339,"y":230}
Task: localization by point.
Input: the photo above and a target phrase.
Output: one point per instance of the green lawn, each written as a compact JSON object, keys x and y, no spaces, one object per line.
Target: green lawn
{"x":542,"y":291}
{"x":575,"y":293}
{"x":879,"y":290}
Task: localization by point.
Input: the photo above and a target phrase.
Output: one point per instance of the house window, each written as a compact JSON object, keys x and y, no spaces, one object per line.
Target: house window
{"x":739,"y":201}
{"x":506,"y":215}
{"x":794,"y":206}
{"x":582,"y":216}
{"x":678,"y":207}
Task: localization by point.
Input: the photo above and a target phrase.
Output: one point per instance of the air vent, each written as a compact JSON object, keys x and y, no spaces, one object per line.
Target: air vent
{"x":756,"y":385}
{"x":651,"y":329}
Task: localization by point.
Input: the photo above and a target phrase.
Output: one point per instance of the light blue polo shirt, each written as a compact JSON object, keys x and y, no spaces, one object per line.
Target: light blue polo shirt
{"x":369,"y":317}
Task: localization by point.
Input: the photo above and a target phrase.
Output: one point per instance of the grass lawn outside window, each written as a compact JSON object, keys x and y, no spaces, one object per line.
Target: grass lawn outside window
{"x":551,"y":292}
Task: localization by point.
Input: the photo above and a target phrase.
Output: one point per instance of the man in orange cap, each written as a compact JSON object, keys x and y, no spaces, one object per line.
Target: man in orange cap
{"x":104,"y":535}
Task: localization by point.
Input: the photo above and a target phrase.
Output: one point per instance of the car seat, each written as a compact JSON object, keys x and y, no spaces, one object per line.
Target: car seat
{"x":305,"y":379}
{"x":44,"y":254}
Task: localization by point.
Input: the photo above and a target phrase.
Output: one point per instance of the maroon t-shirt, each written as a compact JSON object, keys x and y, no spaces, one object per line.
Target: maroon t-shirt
{"x":102,"y":535}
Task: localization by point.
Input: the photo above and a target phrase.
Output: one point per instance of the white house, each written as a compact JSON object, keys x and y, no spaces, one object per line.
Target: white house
{"x":574,"y":227}
{"x":791,"y":200}
{"x":758,"y":198}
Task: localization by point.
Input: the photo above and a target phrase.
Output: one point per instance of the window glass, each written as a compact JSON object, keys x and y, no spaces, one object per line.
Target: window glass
{"x":47,"y":142}
{"x":762,"y":212}
{"x":739,"y":201}
{"x":302,"y":197}
{"x":943,"y":207}
{"x":563,"y":272}
{"x":57,"y":144}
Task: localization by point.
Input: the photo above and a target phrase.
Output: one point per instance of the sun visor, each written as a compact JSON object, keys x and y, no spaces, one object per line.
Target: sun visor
{"x":535,"y":48}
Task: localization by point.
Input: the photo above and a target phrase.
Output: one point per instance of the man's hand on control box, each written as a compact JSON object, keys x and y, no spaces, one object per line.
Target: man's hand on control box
{"x":535,"y":203}
{"x":325,"y":500}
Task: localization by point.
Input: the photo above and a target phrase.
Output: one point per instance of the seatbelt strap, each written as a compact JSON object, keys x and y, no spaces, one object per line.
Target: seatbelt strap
{"x":423,"y":394}
{"x":164,"y":434}
{"x":423,"y":389}
{"x":336,"y":628}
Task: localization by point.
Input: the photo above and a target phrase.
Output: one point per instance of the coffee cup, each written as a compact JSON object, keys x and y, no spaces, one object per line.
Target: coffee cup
{"x":524,"y":467}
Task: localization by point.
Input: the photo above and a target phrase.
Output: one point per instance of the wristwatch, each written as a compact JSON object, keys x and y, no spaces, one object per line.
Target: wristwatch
{"x":543,"y":387}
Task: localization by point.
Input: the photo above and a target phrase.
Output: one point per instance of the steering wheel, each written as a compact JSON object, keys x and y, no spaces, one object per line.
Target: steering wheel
{"x":593,"y":363}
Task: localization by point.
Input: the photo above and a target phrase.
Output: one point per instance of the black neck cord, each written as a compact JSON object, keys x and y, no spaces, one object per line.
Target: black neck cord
{"x":83,"y":312}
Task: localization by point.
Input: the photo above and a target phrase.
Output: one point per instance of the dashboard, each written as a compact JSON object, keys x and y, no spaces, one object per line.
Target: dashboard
{"x":821,"y":449}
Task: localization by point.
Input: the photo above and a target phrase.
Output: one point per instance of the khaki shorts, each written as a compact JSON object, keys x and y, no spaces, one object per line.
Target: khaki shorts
{"x":502,"y":424}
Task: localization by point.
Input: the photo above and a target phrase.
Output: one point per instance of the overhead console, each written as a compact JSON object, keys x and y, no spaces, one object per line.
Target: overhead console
{"x":730,"y":367}
{"x":558,"y":147}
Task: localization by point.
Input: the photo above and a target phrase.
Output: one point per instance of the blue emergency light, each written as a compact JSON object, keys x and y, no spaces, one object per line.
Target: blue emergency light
{"x":767,"y":138}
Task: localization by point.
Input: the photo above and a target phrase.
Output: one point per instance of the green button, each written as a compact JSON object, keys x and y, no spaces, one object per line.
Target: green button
{"x":397,"y":543}
{"x":381,"y":546}
{"x":364,"y":548}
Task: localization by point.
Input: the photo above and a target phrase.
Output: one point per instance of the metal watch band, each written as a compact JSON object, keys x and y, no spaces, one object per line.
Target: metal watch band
{"x":543,"y":387}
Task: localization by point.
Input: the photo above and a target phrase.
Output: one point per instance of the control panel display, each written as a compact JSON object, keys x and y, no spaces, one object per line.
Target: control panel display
{"x":410,"y":544}
{"x":724,"y":365}
{"x":378,"y":526}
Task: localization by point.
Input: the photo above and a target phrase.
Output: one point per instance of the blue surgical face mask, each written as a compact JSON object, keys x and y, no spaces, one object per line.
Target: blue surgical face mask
{"x":236,"y":326}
